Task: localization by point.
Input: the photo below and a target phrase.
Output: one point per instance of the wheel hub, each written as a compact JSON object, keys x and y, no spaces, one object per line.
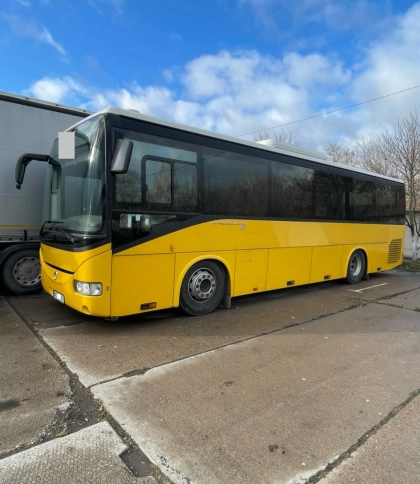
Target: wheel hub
{"x":202,"y":285}
{"x":27,"y":271}
{"x":356,"y":265}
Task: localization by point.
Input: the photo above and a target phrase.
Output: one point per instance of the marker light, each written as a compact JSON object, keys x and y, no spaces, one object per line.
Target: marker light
{"x":88,"y":288}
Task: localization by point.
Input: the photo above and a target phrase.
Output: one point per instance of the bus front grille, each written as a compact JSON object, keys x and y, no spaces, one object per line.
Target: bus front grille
{"x":394,"y":253}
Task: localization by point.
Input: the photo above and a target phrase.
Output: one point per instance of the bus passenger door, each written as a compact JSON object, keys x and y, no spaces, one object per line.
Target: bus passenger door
{"x":141,"y":280}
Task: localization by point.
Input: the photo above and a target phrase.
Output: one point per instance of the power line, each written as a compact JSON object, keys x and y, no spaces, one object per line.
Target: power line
{"x":328,"y":112}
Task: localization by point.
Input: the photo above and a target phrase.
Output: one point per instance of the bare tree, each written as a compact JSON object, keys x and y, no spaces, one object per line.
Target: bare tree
{"x":395,"y":154}
{"x":282,"y":137}
{"x":401,"y":149}
{"x":371,"y":154}
{"x":340,"y":153}
{"x":365,"y":151}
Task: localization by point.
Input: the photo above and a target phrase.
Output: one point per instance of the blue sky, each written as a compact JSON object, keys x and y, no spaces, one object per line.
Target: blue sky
{"x":232,"y":66}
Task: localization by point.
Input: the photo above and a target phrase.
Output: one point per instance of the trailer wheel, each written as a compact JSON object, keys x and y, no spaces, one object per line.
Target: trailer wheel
{"x":22,"y":272}
{"x":356,"y":267}
{"x":203,"y":288}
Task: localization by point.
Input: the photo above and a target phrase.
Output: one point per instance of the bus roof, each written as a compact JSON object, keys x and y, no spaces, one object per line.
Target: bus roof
{"x":266,"y":145}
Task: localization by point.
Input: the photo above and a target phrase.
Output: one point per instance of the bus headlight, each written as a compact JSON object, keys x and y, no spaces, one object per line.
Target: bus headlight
{"x":88,"y":288}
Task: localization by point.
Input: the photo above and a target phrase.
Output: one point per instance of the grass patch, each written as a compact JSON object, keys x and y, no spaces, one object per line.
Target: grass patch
{"x":410,"y":265}
{"x":62,"y":433}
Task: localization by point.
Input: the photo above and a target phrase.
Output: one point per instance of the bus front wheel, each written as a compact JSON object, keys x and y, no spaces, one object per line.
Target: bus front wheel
{"x":356,"y":267}
{"x":203,"y":288}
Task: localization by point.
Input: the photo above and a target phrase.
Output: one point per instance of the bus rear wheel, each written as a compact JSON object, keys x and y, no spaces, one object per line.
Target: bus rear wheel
{"x":203,"y":288}
{"x":22,"y":272}
{"x":356,"y":267}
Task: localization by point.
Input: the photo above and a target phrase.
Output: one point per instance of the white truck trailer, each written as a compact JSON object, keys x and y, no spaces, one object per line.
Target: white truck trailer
{"x":26,"y":125}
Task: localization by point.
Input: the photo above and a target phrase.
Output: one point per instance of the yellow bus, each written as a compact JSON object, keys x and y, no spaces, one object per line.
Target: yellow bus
{"x":151,"y":214}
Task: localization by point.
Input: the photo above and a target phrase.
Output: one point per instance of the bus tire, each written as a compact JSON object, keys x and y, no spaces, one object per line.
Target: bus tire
{"x":22,"y":272}
{"x":356,"y":268}
{"x":203,"y":288}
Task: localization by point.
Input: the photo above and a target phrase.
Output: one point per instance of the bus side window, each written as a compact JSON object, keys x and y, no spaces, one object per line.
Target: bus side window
{"x":158,"y":181}
{"x":235,"y":184}
{"x":291,"y":190}
{"x":387,"y":199}
{"x":362,"y":203}
{"x":329,"y":199}
{"x":161,"y":171}
{"x":185,"y":187}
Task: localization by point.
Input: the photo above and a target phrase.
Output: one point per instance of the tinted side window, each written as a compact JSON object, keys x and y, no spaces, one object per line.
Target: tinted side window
{"x":158,"y":181}
{"x":162,"y":175}
{"x":329,"y":196}
{"x":185,"y":186}
{"x":234,"y":184}
{"x":362,"y":201}
{"x":390,"y":204}
{"x":291,"y":191}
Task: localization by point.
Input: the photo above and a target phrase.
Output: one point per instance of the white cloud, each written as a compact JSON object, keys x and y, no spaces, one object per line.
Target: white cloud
{"x":392,"y":64}
{"x":228,"y":93}
{"x":262,"y":11}
{"x":45,"y":36}
{"x":56,"y":90}
{"x":103,"y":6}
{"x":344,"y":15}
{"x":30,"y":28}
{"x":357,"y":19}
{"x":314,"y":69}
{"x":244,"y":91}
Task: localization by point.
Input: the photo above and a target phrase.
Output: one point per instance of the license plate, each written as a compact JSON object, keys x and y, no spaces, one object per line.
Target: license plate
{"x":59,"y":297}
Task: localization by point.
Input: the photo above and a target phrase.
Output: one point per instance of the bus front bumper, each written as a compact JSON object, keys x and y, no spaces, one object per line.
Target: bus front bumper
{"x":60,"y":285}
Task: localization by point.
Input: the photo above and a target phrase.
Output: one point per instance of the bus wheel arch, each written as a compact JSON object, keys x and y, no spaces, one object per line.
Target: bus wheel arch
{"x":204,"y":285}
{"x":356,"y":266}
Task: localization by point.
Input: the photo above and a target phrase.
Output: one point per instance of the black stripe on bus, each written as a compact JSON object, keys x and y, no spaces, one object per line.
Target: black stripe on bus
{"x":201,"y":219}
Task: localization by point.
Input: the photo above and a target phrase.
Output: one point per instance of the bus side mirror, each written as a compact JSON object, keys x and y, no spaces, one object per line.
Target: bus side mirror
{"x":122,"y":156}
{"x":21,"y":164}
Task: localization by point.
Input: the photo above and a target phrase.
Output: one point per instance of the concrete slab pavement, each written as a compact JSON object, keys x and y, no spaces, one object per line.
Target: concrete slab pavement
{"x":88,"y":456}
{"x":391,"y":456}
{"x":386,"y":284}
{"x":42,"y":311}
{"x":274,"y":409}
{"x":409,"y":300}
{"x":98,"y":350}
{"x":32,"y":384}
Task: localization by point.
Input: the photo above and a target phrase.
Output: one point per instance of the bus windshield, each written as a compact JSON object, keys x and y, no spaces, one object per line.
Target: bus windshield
{"x":75,"y":188}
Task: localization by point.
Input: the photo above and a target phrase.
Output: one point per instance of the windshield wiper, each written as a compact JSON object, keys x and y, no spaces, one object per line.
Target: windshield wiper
{"x":69,"y":237}
{"x":53,"y":222}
